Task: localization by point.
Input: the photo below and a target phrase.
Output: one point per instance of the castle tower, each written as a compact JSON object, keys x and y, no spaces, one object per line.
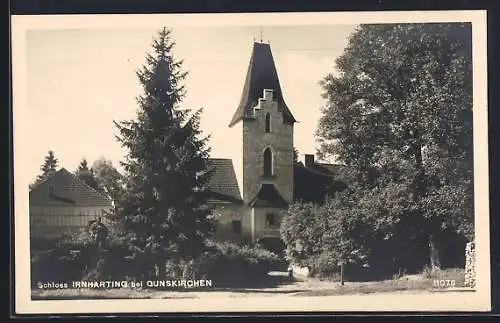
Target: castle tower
{"x":263,"y":128}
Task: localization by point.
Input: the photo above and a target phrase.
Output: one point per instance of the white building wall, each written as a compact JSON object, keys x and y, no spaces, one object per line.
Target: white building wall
{"x":49,"y":221}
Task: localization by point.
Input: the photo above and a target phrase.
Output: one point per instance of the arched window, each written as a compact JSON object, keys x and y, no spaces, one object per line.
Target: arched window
{"x":268,"y":162}
{"x":268,"y":122}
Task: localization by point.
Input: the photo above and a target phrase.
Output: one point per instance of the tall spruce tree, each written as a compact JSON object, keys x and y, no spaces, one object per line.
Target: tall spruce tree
{"x":86,"y":174}
{"x":163,"y":206}
{"x":48,"y":168}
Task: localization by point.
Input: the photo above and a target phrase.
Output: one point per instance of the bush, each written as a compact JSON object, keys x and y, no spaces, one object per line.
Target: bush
{"x":61,"y":259}
{"x":75,"y":258}
{"x":227,"y":264}
{"x":325,"y":266}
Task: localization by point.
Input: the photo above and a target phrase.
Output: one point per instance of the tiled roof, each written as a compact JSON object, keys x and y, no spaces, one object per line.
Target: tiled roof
{"x":64,"y":188}
{"x":261,"y":74}
{"x":313,"y":185}
{"x":223,"y":185}
{"x":340,"y":172}
{"x":268,"y":196}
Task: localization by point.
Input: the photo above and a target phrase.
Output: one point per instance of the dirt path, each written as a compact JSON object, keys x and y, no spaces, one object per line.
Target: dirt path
{"x":278,"y":285}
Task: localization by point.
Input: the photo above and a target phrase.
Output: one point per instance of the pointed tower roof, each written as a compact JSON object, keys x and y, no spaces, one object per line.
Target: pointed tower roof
{"x":261,"y":74}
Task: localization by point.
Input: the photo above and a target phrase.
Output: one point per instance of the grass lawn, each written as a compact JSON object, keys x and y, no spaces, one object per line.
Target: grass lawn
{"x":421,"y":283}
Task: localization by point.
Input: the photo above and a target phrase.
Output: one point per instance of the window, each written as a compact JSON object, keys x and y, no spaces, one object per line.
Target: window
{"x":236,"y":224}
{"x":268,"y":122}
{"x":270,"y":219}
{"x":268,"y":162}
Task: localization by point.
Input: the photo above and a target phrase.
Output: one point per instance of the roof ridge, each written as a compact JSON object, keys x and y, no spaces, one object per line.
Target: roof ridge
{"x":46,"y":179}
{"x":312,"y":170}
{"x":88,"y":186}
{"x":333,"y":164}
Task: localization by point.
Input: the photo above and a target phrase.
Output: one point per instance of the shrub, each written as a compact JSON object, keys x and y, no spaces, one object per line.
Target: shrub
{"x":325,"y":265}
{"x":226,"y":263}
{"x":235,"y":265}
{"x":74,"y":257}
{"x":61,"y":259}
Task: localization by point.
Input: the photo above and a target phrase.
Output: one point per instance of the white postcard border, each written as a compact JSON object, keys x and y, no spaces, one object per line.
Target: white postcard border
{"x":469,"y":301}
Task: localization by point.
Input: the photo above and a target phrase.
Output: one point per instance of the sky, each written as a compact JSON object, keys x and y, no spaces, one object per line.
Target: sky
{"x":80,"y":80}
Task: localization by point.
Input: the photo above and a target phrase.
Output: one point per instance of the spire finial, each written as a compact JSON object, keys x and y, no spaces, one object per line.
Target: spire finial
{"x":261,"y":32}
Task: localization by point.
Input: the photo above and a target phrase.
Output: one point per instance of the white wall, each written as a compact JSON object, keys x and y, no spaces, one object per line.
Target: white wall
{"x":51,"y":220}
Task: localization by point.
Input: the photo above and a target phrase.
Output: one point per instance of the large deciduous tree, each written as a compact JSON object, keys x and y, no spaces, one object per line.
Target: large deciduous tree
{"x":163,"y":207}
{"x":400,"y":110}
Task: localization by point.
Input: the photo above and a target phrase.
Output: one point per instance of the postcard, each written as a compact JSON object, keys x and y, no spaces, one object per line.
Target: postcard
{"x":270,"y":162}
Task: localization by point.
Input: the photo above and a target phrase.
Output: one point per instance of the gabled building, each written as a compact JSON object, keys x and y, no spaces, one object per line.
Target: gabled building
{"x":248,"y":192}
{"x":265,"y":173}
{"x":62,"y":204}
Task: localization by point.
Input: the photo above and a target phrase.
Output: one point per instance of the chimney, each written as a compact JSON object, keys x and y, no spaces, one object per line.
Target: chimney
{"x":309,"y":160}
{"x":268,"y":94}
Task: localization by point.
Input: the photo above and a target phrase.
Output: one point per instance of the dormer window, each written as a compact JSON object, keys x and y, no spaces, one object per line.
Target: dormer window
{"x":268,"y":122}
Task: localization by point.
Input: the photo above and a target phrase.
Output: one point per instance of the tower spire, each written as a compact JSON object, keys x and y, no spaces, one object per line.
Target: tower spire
{"x":261,"y":75}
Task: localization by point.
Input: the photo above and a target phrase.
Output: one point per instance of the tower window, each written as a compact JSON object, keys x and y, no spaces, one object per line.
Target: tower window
{"x":268,"y":122}
{"x":236,"y":224}
{"x":268,"y":162}
{"x":270,"y":219}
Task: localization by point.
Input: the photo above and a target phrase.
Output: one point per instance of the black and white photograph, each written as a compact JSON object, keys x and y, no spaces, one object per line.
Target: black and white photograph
{"x":280,"y":162}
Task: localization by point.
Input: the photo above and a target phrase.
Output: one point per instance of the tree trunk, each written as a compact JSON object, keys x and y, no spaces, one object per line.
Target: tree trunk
{"x":342,"y":274}
{"x":434,"y":254}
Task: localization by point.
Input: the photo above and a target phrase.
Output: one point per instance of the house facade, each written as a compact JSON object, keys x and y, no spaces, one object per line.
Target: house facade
{"x":62,"y":204}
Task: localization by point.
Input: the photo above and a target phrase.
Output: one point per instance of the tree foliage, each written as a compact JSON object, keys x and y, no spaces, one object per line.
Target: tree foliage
{"x":400,"y":112}
{"x":86,"y":175}
{"x":163,"y":207}
{"x":108,"y":177}
{"x":325,"y":238}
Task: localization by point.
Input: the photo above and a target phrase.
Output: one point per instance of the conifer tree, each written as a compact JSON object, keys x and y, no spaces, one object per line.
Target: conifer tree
{"x":86,"y":174}
{"x":163,"y":207}
{"x":48,"y":168}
